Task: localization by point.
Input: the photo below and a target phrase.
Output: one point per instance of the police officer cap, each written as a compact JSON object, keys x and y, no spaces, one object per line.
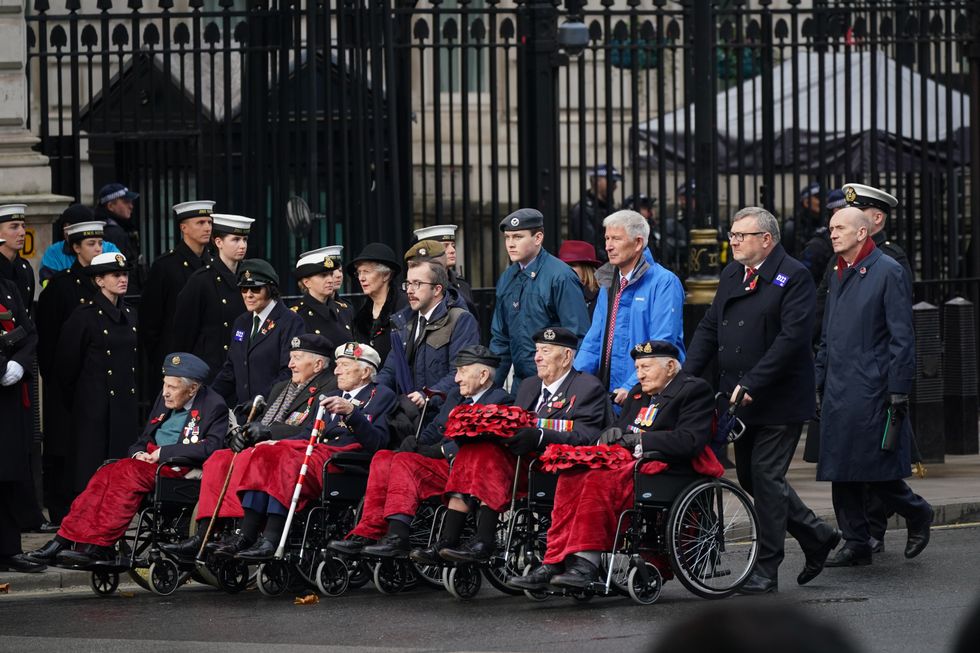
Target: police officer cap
{"x":193,"y":209}
{"x":312,"y":343}
{"x":604,"y":170}
{"x":359,"y":352}
{"x":835,"y":199}
{"x":556,"y":336}
{"x":476,"y":354}
{"x":639,"y":201}
{"x":686,"y":187}
{"x":426,"y":249}
{"x":864,"y":197}
{"x":189,"y":366}
{"x":116,"y":191}
{"x":256,"y":273}
{"x":810,"y":190}
{"x":523,"y":219}
{"x":78,"y":231}
{"x":106,"y":263}
{"x":655,"y":349}
{"x":235,"y":225}
{"x":442,"y":232}
{"x":12,"y":212}
{"x":325,"y":259}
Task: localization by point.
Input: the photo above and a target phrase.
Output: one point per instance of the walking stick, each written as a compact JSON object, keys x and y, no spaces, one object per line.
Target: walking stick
{"x":429,"y":394}
{"x":314,"y":436}
{"x":257,"y":403}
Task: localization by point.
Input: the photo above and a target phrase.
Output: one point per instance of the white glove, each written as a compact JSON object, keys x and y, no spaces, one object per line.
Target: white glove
{"x":13,"y":374}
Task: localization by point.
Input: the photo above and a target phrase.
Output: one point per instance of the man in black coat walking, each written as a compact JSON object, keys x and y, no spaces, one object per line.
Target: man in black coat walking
{"x":759,"y":327}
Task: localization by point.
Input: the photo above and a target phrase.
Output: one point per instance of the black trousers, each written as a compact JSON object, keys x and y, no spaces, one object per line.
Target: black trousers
{"x":58,"y":491}
{"x":850,"y":504}
{"x":17,"y":508}
{"x":762,"y":458}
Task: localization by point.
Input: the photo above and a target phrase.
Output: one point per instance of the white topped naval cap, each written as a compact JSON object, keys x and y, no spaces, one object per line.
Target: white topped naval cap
{"x":193,"y":209}
{"x":359,"y":352}
{"x":224,"y":223}
{"x":12,"y":212}
{"x":863,"y":196}
{"x":318,"y":260}
{"x":444,"y":232}
{"x":82,"y":230}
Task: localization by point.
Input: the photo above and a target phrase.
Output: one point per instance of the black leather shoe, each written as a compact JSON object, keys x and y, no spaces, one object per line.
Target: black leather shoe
{"x":918,"y":538}
{"x":816,"y":560}
{"x":46,"y":553}
{"x":21,"y":563}
{"x":186,"y":549}
{"x":538,"y":579}
{"x":84,"y":555}
{"x":474,"y":551}
{"x":759,"y":584}
{"x":579,"y":573}
{"x":430,"y":554}
{"x":848,"y":557}
{"x":351,"y":546}
{"x":261,"y":551}
{"x":391,"y":545}
{"x":877,"y":546}
{"x":232,"y":544}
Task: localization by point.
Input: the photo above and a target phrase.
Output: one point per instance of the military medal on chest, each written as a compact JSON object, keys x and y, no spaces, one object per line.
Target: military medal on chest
{"x":192,"y":431}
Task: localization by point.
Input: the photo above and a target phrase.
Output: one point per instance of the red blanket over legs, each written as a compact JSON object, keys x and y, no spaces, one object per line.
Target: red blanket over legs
{"x":101,"y":514}
{"x":274,"y":468}
{"x":486,"y":471}
{"x":372,"y":524}
{"x":215,"y":471}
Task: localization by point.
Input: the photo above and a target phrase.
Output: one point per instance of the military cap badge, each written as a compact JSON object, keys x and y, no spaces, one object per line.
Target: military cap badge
{"x":515,"y":221}
{"x":295,"y":342}
{"x":120,"y":261}
{"x":175,"y":360}
{"x":549,"y":334}
{"x":850,"y":194}
{"x":248,"y":274}
{"x":423,"y":251}
{"x":328,"y":263}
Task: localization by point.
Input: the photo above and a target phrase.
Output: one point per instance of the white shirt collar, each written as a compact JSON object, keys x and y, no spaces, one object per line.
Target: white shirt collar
{"x":476,"y":398}
{"x":553,"y":388}
{"x":356,"y":391}
{"x":264,"y":313}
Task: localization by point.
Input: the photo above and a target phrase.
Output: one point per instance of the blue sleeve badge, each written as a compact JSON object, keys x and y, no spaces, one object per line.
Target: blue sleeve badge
{"x":780,"y":280}
{"x":239,"y":336}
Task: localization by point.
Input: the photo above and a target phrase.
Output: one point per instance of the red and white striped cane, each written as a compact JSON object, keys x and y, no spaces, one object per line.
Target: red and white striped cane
{"x":314,"y":436}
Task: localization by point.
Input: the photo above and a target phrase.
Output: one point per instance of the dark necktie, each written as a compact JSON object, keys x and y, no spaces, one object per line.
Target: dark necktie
{"x":256,"y":322}
{"x":545,"y":396}
{"x":749,"y":272}
{"x":417,"y":336}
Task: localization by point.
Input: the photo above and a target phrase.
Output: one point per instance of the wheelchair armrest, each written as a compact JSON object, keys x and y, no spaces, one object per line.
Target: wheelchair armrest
{"x":655,"y":455}
{"x":351,"y":457}
{"x":178,"y":461}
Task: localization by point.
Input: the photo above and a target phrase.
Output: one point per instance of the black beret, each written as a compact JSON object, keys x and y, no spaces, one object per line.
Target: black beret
{"x":189,"y":366}
{"x":476,"y":354}
{"x":655,"y":349}
{"x":523,"y":219}
{"x":313,"y":343}
{"x":256,"y":273}
{"x":556,"y":336}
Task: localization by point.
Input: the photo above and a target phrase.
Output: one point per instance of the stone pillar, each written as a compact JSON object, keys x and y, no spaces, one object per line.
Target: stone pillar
{"x":24,"y":173}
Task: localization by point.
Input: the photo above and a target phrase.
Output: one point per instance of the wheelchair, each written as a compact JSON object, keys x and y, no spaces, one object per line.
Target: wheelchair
{"x":699,"y":529}
{"x":305,"y":562}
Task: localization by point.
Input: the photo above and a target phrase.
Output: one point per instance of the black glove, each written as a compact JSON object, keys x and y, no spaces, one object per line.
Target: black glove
{"x":431,"y":451}
{"x":819,"y":403}
{"x":524,"y":441}
{"x":243,"y":409}
{"x":238,"y":441}
{"x":257,"y":432}
{"x":616,"y":435}
{"x":409,"y":444}
{"x":900,"y":407}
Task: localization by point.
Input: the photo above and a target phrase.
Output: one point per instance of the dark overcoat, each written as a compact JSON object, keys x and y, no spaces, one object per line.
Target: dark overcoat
{"x":296,"y":420}
{"x":367,"y":425}
{"x":206,"y":429}
{"x":331,"y":319}
{"x":867,"y":351}
{"x":17,"y":430}
{"x":683,"y":415}
{"x":581,"y":398}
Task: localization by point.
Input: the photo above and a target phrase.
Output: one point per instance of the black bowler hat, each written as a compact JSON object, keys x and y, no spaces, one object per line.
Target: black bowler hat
{"x":556,"y":336}
{"x":523,"y":219}
{"x":377,"y":253}
{"x":256,"y":273}
{"x":655,"y":349}
{"x":476,"y":354}
{"x":312,"y":343}
{"x":189,"y":366}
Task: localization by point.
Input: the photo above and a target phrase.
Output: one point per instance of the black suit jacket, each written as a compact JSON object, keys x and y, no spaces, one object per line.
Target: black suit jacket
{"x":581,"y":398}
{"x":681,"y":427}
{"x":211,"y":425}
{"x":433,"y":433}
{"x":323,"y":383}
{"x":367,"y":425}
{"x":761,"y":338}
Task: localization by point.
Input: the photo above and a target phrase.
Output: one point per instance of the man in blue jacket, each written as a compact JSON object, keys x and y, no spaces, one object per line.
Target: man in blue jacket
{"x":639,"y":300}
{"x":535,"y":292}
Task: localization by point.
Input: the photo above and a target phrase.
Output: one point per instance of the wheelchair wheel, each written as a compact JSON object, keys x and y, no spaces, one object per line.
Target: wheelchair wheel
{"x":534,"y":595}
{"x":391,"y":576}
{"x":232,"y":575}
{"x":104,"y":582}
{"x":645,"y":593}
{"x":463,"y":581}
{"x":165,"y":577}
{"x":620,"y":573}
{"x":712,"y":538}
{"x":429,"y":575}
{"x":360,"y":573}
{"x":273,"y":577}
{"x":332,"y":576}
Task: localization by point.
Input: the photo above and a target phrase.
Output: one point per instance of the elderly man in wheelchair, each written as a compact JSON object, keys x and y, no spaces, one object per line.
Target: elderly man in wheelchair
{"x":668,"y":411}
{"x":188,"y":422}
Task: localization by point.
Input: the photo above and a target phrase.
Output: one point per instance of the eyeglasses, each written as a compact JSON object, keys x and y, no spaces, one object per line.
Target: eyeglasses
{"x":738,"y":236}
{"x":415,"y":285}
{"x":251,"y":291}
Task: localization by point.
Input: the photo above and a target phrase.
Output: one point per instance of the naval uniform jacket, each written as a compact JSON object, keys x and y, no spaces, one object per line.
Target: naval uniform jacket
{"x":760,"y":330}
{"x":254,"y":365}
{"x":331,"y":319}
{"x":168,"y":276}
{"x":18,"y":424}
{"x":66,"y":291}
{"x":296,"y":421}
{"x":97,"y":371}
{"x":581,"y":399}
{"x":205,"y":428}
{"x":206,"y":308}
{"x":21,"y":274}
{"x":682,"y":417}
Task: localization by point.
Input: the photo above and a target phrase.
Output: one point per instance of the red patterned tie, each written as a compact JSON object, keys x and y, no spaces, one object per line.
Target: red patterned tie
{"x":749,"y":271}
{"x":611,"y":332}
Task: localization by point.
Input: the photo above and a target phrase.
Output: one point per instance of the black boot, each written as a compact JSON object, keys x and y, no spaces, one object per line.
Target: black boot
{"x":351,"y":546}
{"x":452,"y":527}
{"x":47,"y":553}
{"x":261,"y":551}
{"x":187,"y":549}
{"x":85,"y":554}
{"x":394,"y":544}
{"x":579,"y":573}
